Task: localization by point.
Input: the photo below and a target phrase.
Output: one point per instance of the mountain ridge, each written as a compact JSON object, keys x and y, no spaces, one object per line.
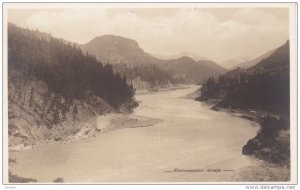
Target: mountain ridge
{"x":194,"y":56}
{"x":127,"y":51}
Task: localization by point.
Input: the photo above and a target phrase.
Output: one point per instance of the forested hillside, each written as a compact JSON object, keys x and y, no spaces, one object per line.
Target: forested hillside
{"x":262,"y":93}
{"x":263,"y":86}
{"x":51,"y":82}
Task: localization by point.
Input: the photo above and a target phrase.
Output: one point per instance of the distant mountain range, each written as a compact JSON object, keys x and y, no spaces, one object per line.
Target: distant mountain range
{"x":231,"y":63}
{"x":278,"y":61}
{"x":119,"y":50}
{"x":192,"y":71}
{"x":194,"y":56}
{"x":252,"y":62}
{"x":273,"y":61}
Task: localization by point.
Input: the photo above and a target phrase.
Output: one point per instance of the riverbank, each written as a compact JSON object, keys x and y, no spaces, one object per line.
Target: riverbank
{"x":91,"y":128}
{"x":272,"y":140}
{"x":271,"y":144}
{"x":164,"y":89}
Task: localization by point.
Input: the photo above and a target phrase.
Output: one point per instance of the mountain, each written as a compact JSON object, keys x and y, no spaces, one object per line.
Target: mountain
{"x":212,"y":66}
{"x":191,"y":71}
{"x":118,"y":50}
{"x":263,"y":86}
{"x":277,"y":62}
{"x":232,"y":62}
{"x":249,"y":63}
{"x":194,"y":56}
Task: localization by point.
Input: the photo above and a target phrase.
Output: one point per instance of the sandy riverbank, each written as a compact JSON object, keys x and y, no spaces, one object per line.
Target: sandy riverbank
{"x":95,"y":126}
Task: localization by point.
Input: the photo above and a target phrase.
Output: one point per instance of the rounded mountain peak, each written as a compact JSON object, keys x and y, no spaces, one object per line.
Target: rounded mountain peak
{"x":114,"y":44}
{"x":113,"y":39}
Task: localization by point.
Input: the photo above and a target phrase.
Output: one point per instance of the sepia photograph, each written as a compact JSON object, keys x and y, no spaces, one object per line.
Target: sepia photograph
{"x":149,"y":93}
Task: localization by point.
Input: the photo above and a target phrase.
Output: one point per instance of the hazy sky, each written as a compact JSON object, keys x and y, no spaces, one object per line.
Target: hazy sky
{"x":215,"y":33}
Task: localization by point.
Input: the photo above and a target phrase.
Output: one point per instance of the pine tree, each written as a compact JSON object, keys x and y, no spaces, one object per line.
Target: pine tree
{"x":31,"y":98}
{"x":19,"y":89}
{"x":56,"y":115}
{"x":64,"y":112}
{"x":46,"y":97}
{"x":51,"y":106}
{"x":75,"y":112}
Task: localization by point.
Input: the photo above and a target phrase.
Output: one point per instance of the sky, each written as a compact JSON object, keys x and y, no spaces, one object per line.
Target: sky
{"x":218,"y":34}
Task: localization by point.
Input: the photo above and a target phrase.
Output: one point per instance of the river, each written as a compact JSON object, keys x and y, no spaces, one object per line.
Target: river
{"x":191,"y":137}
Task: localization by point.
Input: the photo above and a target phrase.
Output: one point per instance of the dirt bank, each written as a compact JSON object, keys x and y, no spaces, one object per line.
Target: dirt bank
{"x":93,"y":127}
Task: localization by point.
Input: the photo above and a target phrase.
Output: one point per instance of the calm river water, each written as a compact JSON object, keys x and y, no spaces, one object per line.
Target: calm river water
{"x":191,"y":137}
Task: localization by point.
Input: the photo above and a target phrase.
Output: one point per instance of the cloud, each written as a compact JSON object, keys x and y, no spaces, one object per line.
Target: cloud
{"x":253,"y":17}
{"x":248,"y":33}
